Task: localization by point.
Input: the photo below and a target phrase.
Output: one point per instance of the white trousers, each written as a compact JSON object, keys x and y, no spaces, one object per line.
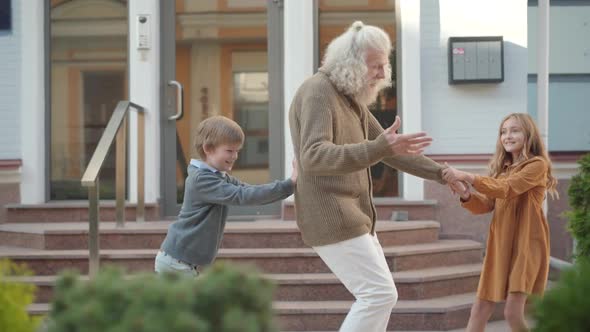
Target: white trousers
{"x":360,"y":265}
{"x":166,"y":263}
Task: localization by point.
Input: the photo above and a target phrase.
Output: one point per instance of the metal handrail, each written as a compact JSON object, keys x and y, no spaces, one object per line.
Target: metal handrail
{"x":559,"y":264}
{"x":556,"y":266}
{"x":116,"y":129}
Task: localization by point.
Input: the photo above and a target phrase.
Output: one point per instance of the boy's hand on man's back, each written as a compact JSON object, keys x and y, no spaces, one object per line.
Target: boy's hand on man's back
{"x":294,"y":174}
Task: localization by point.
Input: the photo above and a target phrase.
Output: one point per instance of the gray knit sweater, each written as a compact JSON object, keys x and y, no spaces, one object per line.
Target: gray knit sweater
{"x":336,"y":141}
{"x":196,"y":236}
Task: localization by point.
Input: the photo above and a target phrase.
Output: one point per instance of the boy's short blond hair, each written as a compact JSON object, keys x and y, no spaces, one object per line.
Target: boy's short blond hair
{"x":215,"y":131}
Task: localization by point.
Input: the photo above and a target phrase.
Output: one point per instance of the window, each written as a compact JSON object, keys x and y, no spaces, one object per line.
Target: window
{"x":251,"y":112}
{"x":5,"y":16}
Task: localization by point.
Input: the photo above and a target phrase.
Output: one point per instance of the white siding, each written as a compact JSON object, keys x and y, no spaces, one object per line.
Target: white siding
{"x":569,"y":80}
{"x":10,"y":88}
{"x":465,"y":118}
{"x":569,"y":45}
{"x":569,"y":111}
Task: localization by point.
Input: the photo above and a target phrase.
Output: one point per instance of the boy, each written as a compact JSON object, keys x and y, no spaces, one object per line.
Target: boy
{"x":193,"y":240}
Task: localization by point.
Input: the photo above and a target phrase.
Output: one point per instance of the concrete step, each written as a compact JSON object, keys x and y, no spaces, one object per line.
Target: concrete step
{"x":269,"y":260}
{"x":439,"y":314}
{"x":416,"y":210}
{"x":71,"y":211}
{"x":492,"y":326}
{"x":411,"y":285}
{"x":149,"y":235}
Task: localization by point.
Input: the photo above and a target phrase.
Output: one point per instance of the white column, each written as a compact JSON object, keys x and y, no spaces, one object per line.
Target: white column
{"x":298,"y":33}
{"x":32,"y":90}
{"x":411,"y":108}
{"x":543,"y":78}
{"x":543,"y":70}
{"x":144,"y":89}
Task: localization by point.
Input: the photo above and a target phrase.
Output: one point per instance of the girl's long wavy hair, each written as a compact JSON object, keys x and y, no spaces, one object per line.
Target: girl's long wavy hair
{"x":533,"y":147}
{"x":344,"y":61}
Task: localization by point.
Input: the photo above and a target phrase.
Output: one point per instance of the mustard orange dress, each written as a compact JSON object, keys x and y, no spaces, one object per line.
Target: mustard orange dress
{"x":517,"y":254}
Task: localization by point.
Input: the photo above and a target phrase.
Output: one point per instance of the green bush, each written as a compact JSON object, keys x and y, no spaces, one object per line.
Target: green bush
{"x":15,"y":297}
{"x":223,"y":299}
{"x":579,"y":200}
{"x":566,"y":306}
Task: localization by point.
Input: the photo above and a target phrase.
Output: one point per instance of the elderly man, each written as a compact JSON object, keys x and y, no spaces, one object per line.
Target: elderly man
{"x":336,"y":140}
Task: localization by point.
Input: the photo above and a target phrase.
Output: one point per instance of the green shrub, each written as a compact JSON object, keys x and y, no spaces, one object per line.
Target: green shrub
{"x":223,"y":299}
{"x":579,"y":200}
{"x":566,"y":306}
{"x":15,"y":297}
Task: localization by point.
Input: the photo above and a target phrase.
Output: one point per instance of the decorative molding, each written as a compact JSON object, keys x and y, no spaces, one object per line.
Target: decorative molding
{"x":218,"y":20}
{"x":89,"y":18}
{"x":242,"y":5}
{"x":89,"y":9}
{"x":564,"y":162}
{"x":556,"y":156}
{"x":96,"y":55}
{"x":10,"y":176}
{"x":476,"y":158}
{"x":346,"y":18}
{"x":356,"y":5}
{"x":564,"y":170}
{"x":10,"y":171}
{"x":10,"y":164}
{"x":564,"y":156}
{"x":107,"y":27}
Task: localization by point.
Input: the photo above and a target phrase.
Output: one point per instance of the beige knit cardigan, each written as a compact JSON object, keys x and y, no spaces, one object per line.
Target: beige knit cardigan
{"x":335,"y":142}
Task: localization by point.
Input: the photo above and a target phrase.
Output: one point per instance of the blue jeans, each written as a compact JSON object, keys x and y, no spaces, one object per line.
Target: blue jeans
{"x":166,"y":263}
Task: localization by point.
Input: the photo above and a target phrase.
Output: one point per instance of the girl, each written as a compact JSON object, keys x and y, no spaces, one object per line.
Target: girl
{"x":517,"y":256}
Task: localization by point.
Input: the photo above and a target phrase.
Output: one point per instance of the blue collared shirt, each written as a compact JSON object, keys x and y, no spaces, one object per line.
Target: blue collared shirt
{"x":201,"y":164}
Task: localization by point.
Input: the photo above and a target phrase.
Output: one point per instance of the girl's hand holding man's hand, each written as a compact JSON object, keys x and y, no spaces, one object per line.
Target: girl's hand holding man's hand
{"x":452,"y":175}
{"x":460,"y":188}
{"x":458,"y":181}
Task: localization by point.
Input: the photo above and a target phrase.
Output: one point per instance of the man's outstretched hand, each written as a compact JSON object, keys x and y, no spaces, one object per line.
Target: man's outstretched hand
{"x":406,"y":144}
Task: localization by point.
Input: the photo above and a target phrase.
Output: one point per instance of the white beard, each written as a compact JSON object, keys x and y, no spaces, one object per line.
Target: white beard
{"x":368,"y":95}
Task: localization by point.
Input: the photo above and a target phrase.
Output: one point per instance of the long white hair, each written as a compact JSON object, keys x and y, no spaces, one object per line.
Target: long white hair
{"x":344,"y":61}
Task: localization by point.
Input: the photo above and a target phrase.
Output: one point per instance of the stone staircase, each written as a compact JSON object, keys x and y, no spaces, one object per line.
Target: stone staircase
{"x":436,"y":279}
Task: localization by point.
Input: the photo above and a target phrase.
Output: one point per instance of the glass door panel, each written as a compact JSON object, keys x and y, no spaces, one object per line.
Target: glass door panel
{"x":221,"y":60}
{"x":88,"y":78}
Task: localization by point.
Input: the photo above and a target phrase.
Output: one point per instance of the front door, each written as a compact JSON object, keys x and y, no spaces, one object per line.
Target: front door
{"x":227,"y":59}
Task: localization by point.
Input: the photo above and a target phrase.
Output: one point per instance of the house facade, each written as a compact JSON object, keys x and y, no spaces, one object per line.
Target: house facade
{"x":65,"y":64}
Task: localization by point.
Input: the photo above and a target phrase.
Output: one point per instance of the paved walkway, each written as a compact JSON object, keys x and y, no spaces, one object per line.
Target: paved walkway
{"x":497,"y":326}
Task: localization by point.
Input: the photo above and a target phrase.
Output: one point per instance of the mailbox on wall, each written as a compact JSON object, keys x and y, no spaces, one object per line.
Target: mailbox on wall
{"x":5,"y":16}
{"x":476,"y":60}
